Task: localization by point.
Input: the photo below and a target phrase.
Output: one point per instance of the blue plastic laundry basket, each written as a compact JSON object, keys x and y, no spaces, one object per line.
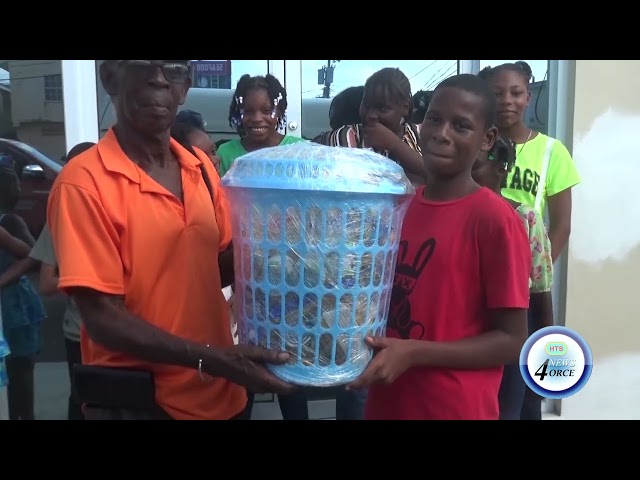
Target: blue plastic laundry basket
{"x":315,"y":234}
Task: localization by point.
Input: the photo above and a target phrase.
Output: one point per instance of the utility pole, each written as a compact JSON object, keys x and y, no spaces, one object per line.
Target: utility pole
{"x":325,"y":77}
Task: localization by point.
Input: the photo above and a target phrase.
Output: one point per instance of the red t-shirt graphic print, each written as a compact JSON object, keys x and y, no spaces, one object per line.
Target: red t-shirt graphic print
{"x":408,"y":271}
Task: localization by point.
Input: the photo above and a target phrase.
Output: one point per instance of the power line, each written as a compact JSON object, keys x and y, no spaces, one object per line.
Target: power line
{"x":422,"y":70}
{"x":436,"y":80}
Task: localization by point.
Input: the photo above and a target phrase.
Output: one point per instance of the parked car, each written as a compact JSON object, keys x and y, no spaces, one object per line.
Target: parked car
{"x":37,"y":173}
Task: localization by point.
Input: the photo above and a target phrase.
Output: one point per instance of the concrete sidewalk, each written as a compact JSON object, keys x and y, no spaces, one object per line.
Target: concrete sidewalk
{"x":51,"y":390}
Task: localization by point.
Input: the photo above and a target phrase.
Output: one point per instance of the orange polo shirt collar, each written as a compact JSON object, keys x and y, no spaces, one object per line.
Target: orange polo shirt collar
{"x":113,"y":159}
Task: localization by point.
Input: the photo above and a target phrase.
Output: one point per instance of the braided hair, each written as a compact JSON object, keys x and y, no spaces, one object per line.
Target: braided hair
{"x":274,"y":89}
{"x":520,"y":67}
{"x":394,"y":84}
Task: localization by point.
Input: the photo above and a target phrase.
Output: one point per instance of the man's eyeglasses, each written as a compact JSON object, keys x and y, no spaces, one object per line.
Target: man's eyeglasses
{"x":173,"y":72}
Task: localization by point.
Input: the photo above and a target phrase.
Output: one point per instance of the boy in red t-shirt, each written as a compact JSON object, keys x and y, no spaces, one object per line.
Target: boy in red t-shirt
{"x":461,"y":288}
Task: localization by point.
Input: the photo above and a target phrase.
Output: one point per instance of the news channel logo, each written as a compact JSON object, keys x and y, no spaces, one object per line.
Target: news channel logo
{"x":556,"y":362}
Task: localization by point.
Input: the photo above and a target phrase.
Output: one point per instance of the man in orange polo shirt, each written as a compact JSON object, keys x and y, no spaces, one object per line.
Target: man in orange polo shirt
{"x":138,"y":237}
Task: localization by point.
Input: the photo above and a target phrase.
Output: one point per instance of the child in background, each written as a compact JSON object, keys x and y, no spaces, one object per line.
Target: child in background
{"x":544,"y":174}
{"x":385,"y":123}
{"x":343,"y":111}
{"x":489,"y":171}
{"x":18,"y":249}
{"x":257,"y":111}
{"x":44,"y":253}
{"x":189,"y":130}
{"x":458,"y":309}
{"x":22,"y":308}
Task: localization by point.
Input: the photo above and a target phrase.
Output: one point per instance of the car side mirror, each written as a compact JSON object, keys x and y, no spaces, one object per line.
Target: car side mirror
{"x":33,"y":171}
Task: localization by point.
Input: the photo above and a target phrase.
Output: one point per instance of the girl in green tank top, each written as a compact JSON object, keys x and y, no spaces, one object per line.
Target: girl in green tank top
{"x":258,"y":113}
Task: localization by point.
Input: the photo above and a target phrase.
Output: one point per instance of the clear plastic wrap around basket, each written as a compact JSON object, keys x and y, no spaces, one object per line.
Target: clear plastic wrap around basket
{"x":315,"y":235}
